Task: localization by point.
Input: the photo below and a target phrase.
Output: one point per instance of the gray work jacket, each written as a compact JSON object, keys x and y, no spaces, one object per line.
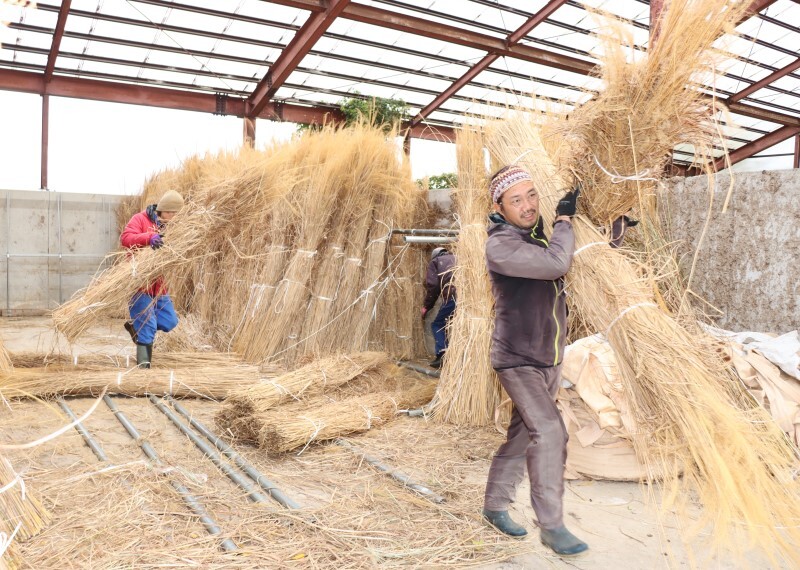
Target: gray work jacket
{"x":527,"y":273}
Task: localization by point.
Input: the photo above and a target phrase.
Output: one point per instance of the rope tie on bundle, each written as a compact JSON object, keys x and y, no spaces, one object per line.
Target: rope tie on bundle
{"x":627,"y":310}
{"x":617,"y":178}
{"x":588,"y":245}
{"x":317,"y":427}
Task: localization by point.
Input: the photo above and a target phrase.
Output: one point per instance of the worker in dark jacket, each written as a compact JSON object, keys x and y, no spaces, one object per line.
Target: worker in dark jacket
{"x":527,"y":273}
{"x":438,"y":281}
{"x":151,"y":308}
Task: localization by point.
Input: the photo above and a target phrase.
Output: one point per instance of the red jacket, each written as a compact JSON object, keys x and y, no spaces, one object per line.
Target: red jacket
{"x":136,"y":235}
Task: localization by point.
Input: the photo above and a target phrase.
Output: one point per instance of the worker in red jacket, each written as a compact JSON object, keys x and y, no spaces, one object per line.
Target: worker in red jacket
{"x":151,"y":308}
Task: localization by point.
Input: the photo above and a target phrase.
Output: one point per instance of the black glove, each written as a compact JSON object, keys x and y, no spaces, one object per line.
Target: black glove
{"x":156,"y":241}
{"x":630,"y":222}
{"x":567,"y":204}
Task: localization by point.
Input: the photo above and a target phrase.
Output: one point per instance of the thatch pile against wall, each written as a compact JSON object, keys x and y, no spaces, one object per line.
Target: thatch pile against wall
{"x":282,"y":253}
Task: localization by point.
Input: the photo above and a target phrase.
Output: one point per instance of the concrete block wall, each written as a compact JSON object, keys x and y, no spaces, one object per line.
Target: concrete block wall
{"x":749,"y":262}
{"x":51,"y":244}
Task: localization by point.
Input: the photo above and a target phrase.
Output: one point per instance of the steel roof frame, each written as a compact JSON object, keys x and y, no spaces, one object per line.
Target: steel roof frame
{"x":322,"y":13}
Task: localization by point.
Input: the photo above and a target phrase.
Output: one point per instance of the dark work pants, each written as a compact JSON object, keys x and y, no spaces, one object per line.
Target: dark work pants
{"x":536,"y":438}
{"x":439,"y":325}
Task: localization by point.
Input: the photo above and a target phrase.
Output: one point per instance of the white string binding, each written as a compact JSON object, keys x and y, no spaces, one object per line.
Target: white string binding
{"x":588,"y":245}
{"x":622,"y":314}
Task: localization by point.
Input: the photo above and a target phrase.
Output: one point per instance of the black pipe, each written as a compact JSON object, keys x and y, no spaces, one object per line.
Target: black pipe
{"x":395,"y":474}
{"x":231,"y":454}
{"x":215,"y":458}
{"x":191,"y":501}
{"x":87,"y":437}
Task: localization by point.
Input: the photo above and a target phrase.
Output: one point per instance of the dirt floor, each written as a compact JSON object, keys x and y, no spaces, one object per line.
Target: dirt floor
{"x":125,"y":512}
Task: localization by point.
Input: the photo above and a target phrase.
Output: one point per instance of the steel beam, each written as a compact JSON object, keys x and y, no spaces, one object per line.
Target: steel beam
{"x":114,"y":92}
{"x":291,"y":56}
{"x":61,"y":23}
{"x":763,"y":114}
{"x":43,"y":159}
{"x":454,"y":87}
{"x":656,"y":8}
{"x":774,"y":76}
{"x":513,"y":39}
{"x":756,"y":6}
{"x":796,"y":163}
{"x":757,"y":146}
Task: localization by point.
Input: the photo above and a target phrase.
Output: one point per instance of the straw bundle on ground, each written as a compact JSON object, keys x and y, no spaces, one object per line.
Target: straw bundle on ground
{"x":5,"y":361}
{"x":236,"y":414}
{"x":19,"y":506}
{"x":645,"y":107}
{"x":692,"y":414}
{"x":468,"y":391}
{"x":213,"y":382}
{"x":103,"y":361}
{"x":285,"y":430}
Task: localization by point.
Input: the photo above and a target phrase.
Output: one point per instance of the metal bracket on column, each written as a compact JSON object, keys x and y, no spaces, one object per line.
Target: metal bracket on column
{"x":222,"y":104}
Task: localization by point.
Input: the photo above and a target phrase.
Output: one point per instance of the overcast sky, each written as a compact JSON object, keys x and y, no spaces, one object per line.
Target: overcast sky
{"x":110,"y":148}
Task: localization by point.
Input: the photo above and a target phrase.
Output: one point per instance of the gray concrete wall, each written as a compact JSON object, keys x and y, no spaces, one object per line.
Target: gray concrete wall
{"x":749,"y":262}
{"x":51,"y":244}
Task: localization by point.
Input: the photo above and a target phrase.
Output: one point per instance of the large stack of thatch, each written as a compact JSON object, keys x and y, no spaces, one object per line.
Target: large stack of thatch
{"x":280,"y":253}
{"x":326,"y":399}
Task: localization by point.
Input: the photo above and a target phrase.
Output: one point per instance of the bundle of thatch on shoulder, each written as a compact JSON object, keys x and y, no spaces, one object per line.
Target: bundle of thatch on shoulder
{"x":468,"y":391}
{"x":693,"y":416}
{"x":619,"y":143}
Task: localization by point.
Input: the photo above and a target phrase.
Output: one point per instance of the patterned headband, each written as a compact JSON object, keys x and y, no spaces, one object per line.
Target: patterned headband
{"x":506,"y":179}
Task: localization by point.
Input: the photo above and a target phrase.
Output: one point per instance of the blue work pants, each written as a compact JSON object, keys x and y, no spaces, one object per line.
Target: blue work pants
{"x":439,"y":325}
{"x":150,"y":314}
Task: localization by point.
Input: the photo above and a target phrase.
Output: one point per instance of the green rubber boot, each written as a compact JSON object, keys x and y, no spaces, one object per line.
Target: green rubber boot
{"x":502,"y":522}
{"x":143,"y":354}
{"x":562,"y":541}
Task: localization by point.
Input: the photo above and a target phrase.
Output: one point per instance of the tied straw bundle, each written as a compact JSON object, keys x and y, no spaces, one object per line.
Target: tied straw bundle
{"x":22,"y":515}
{"x":284,"y":430}
{"x":692,"y":415}
{"x":468,"y":391}
{"x":240,"y":412}
{"x":188,"y":381}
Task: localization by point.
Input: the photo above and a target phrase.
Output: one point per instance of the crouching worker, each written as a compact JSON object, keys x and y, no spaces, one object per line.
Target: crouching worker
{"x":151,"y":308}
{"x":527,"y":273}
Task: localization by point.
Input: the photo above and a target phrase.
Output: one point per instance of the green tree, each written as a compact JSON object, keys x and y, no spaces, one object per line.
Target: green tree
{"x":440,"y":181}
{"x":377,"y":110}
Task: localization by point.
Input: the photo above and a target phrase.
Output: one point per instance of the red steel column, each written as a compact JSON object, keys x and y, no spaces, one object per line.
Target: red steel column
{"x":45,"y":138}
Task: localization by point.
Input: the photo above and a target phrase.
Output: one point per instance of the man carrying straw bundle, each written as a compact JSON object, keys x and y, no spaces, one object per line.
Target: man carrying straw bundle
{"x":438,"y":281}
{"x":527,"y":274}
{"x":151,"y":308}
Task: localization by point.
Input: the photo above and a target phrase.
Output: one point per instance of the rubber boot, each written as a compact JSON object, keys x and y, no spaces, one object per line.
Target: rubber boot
{"x":149,"y":354}
{"x":143,"y":355}
{"x":562,"y":541}
{"x":502,"y":522}
{"x":437,"y":362}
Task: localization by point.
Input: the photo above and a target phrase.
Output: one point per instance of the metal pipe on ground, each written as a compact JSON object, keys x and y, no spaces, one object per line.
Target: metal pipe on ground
{"x":423,"y":232}
{"x":215,"y":457}
{"x":231,"y":454}
{"x":190,"y":500}
{"x":395,"y":474}
{"x":87,"y":437}
{"x":429,"y":239}
{"x":419,"y":368}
